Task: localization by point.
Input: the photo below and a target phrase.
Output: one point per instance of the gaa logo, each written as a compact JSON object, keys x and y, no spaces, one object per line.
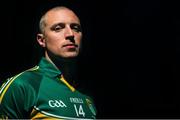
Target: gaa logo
{"x":56,"y":103}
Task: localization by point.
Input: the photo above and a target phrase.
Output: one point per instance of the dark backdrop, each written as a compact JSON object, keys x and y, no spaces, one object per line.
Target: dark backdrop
{"x":131,"y":52}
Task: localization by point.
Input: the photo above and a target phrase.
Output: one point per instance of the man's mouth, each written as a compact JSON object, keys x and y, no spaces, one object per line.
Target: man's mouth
{"x":70,"y":46}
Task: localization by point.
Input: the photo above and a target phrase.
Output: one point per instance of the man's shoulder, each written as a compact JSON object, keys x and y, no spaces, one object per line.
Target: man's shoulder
{"x":27,"y":76}
{"x":28,"y":80}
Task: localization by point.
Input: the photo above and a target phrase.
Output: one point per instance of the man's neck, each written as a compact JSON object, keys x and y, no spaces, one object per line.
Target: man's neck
{"x":68,"y":67}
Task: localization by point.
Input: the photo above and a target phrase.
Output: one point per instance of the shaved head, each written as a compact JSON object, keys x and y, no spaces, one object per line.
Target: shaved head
{"x":42,"y":22}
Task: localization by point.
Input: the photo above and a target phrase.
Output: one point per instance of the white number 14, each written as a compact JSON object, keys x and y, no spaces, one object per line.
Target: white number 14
{"x":79,"y":111}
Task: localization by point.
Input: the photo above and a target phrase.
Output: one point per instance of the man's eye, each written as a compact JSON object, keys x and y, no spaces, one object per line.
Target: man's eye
{"x":57,"y":27}
{"x":76,"y":28}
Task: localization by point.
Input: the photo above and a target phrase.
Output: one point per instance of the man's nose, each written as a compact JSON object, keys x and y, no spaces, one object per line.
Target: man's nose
{"x":69,"y":32}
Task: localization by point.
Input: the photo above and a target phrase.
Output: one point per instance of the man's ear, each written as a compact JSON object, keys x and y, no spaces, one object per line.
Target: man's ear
{"x":41,"y":40}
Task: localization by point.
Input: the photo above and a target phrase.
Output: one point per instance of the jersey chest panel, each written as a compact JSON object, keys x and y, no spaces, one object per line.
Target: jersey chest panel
{"x":56,"y":100}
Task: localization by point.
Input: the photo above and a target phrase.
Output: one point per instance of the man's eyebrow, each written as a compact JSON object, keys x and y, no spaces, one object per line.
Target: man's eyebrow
{"x":76,"y":24}
{"x":62,"y":23}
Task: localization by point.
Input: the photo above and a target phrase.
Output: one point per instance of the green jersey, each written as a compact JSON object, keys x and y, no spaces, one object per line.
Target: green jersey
{"x":42,"y":92}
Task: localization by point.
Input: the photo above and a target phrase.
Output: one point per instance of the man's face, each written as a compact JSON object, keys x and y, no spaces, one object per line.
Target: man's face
{"x":62,"y":33}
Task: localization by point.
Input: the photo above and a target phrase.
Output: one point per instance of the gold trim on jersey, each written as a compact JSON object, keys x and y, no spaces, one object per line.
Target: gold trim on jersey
{"x":67,"y":84}
{"x":39,"y":114}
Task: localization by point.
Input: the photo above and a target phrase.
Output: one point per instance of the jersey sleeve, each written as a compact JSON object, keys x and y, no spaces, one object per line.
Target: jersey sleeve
{"x":15,"y":98}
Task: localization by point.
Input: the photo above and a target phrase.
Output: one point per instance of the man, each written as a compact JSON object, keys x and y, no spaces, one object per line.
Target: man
{"x":46,"y":91}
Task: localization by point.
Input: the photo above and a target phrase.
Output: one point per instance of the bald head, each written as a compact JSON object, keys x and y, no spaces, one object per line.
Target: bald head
{"x":44,"y":18}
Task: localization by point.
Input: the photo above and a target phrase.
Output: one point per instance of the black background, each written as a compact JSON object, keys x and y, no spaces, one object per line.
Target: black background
{"x":130,"y":61}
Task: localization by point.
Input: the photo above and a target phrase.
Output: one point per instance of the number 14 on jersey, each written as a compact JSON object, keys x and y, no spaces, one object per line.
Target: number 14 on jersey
{"x":79,"y":110}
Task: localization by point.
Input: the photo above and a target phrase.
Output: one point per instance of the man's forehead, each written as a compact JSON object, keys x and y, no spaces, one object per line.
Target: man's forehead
{"x":61,"y":15}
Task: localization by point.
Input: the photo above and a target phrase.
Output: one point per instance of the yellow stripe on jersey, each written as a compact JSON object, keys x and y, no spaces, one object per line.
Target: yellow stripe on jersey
{"x":67,"y":84}
{"x":6,"y":85}
{"x":38,"y":115}
{"x":41,"y":116}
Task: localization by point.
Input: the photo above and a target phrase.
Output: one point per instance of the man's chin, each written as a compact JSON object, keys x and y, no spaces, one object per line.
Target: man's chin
{"x":70,"y":55}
